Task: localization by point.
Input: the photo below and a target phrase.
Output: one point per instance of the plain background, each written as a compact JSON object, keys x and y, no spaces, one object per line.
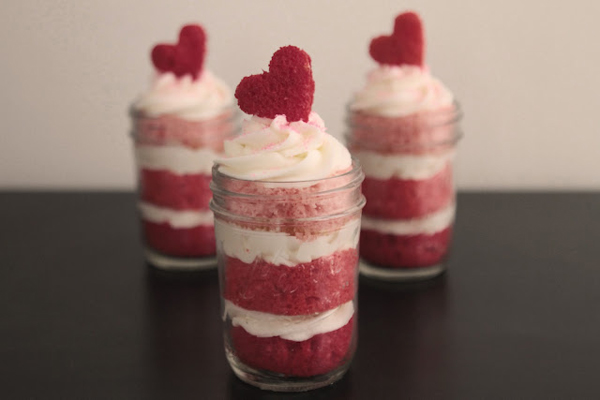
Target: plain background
{"x":527,"y":73}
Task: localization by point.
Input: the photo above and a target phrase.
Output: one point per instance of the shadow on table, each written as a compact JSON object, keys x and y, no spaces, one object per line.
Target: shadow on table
{"x":402,"y":346}
{"x":403,"y":341}
{"x":185,"y":333}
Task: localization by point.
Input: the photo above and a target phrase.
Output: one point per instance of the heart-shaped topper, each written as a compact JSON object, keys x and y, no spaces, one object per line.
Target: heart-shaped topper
{"x":287,"y":88}
{"x":404,"y":46}
{"x":185,"y":57}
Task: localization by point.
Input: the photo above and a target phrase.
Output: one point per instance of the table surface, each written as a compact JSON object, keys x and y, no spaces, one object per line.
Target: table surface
{"x":516,"y":316}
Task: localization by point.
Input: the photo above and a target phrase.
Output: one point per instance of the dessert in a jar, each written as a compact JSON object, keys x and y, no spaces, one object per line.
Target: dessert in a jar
{"x":403,"y":127}
{"x":179,"y":125}
{"x":287,"y":205}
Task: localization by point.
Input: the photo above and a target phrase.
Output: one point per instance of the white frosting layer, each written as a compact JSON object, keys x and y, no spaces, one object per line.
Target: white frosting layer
{"x":429,"y":224}
{"x":178,"y":160}
{"x":297,"y":328}
{"x":199,"y":99}
{"x":402,"y":166}
{"x":280,"y":248}
{"x":398,"y":91}
{"x":177,"y":219}
{"x":282,"y":151}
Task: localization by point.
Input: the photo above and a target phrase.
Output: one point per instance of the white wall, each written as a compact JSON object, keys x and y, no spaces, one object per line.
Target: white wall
{"x":527,"y":73}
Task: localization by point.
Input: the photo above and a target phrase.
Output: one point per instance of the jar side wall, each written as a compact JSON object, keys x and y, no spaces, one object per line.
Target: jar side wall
{"x":288,"y":271}
{"x":315,"y":292}
{"x":173,"y":159}
{"x":410,"y":191}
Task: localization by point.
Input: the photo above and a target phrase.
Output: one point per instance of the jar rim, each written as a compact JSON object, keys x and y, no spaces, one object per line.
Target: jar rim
{"x":355,"y":170}
{"x":135,"y":113}
{"x":455,"y":113}
{"x":349,"y":181}
{"x":220,"y":212}
{"x":229,"y":115}
{"x":455,"y":138}
{"x":438,"y":119}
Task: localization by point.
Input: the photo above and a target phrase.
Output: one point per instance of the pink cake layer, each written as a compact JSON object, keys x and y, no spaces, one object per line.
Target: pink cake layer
{"x":180,"y":192}
{"x":405,"y":251}
{"x":407,"y":198}
{"x":168,"y":130}
{"x":318,"y":355}
{"x":198,"y":241}
{"x":264,"y":200}
{"x":307,"y":288}
{"x":422,"y":132}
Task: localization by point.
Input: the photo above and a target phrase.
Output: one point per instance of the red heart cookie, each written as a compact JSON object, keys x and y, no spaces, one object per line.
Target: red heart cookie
{"x":287,"y":88}
{"x":404,"y":46}
{"x":185,"y":57}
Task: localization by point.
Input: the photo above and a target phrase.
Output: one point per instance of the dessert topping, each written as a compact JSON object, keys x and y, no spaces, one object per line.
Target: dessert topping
{"x":404,"y":46}
{"x":286,"y":89}
{"x":186,"y":56}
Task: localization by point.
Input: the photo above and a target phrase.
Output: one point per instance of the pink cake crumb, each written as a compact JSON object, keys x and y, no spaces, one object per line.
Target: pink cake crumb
{"x":306,"y":288}
{"x":318,"y":355}
{"x":406,"y":198}
{"x":198,"y":241}
{"x":425,"y":132}
{"x":179,"y":192}
{"x":405,"y":251}
{"x":268,"y":203}
{"x":169,"y":130}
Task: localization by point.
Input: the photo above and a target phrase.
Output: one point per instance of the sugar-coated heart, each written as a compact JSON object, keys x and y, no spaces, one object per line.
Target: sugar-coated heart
{"x":185,"y":57}
{"x":404,"y":46}
{"x":287,"y":88}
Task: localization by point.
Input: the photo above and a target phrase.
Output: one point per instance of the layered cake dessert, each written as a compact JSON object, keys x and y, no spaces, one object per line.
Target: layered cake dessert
{"x":179,"y":127}
{"x":287,"y":205}
{"x":403,"y":129}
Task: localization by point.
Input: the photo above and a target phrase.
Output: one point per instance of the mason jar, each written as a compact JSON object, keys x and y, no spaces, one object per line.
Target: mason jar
{"x":174,"y":158}
{"x":408,"y":165}
{"x":288,"y":268}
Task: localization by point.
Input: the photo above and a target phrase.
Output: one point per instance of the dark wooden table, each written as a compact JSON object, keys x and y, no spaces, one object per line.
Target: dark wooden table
{"x":516,"y":316}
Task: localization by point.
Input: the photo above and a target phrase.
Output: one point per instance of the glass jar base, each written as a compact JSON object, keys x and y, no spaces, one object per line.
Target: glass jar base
{"x":169,"y":263}
{"x":400,"y":274}
{"x":279,"y":383}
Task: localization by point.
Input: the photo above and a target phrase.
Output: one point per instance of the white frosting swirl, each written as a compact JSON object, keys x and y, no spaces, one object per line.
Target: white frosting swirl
{"x":279,"y":248}
{"x":297,"y":328}
{"x":402,"y":166}
{"x":398,"y":91}
{"x":428,"y":225}
{"x":178,"y":219}
{"x":175,"y":159}
{"x":184,"y":97}
{"x":280,"y":151}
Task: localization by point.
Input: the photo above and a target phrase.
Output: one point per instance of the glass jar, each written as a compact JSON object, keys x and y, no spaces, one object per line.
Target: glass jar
{"x":174,"y":159}
{"x":288,"y":268}
{"x":411,"y":202}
